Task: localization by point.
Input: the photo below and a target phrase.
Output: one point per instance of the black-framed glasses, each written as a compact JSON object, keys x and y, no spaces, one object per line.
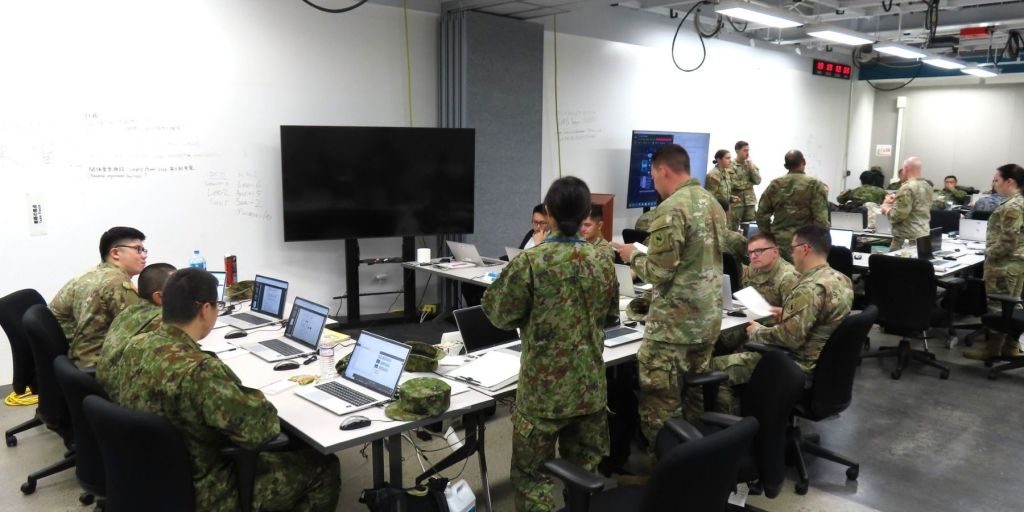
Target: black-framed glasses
{"x":758,"y":252}
{"x":539,"y":222}
{"x":138,"y":248}
{"x":798,"y":245}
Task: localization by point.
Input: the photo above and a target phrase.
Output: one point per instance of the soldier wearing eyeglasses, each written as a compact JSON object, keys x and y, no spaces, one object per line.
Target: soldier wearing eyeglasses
{"x":87,"y":304}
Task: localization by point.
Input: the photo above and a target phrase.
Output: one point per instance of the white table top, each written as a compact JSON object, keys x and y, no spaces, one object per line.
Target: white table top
{"x":475,"y":275}
{"x":860,"y":259}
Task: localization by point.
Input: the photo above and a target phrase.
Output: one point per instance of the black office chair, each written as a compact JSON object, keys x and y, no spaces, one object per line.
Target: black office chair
{"x":829,"y":391}
{"x":948,"y":220}
{"x":734,"y":270}
{"x":89,"y":468}
{"x":46,"y":339}
{"x":1009,"y":321}
{"x":904,"y":289}
{"x":696,"y":475}
{"x":634,"y":235}
{"x":12,"y":309}
{"x":979,"y":215}
{"x":841,"y":259}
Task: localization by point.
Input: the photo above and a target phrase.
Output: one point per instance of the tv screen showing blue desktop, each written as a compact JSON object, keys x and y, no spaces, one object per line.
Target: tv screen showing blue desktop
{"x":640,"y":193}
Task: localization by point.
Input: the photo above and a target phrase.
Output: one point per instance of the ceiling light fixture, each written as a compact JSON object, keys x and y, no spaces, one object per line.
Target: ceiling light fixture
{"x":756,"y":14}
{"x":980,"y":72}
{"x":900,"y":50}
{"x":838,"y":35}
{"x":944,"y":62}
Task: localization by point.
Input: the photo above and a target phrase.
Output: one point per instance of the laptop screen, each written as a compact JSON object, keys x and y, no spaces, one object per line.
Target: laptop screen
{"x":306,"y":322}
{"x":221,"y":278}
{"x":377,"y":363}
{"x":726,"y":292}
{"x":848,"y":220}
{"x":750,"y":229}
{"x":973,"y":230}
{"x":268,"y":296}
{"x":478,"y":333}
{"x":841,"y":238}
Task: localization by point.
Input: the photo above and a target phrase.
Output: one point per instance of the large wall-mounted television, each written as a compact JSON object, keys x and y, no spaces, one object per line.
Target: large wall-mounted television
{"x":640,"y":191}
{"x":341,"y":182}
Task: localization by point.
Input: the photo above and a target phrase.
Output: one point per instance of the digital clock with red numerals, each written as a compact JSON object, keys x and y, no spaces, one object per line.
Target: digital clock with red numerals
{"x":832,"y":69}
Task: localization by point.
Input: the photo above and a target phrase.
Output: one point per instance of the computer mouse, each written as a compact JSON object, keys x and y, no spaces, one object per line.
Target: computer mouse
{"x":286,"y":365}
{"x":858,"y":256}
{"x":354,"y":422}
{"x":235,"y":334}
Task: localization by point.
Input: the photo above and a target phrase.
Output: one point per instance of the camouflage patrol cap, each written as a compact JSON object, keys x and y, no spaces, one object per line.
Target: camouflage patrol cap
{"x":423,"y":358}
{"x":241,"y":290}
{"x":420,"y":398}
{"x":638,"y":308}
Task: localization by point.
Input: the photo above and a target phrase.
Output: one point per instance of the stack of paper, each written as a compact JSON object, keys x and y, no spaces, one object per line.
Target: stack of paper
{"x":493,"y":370}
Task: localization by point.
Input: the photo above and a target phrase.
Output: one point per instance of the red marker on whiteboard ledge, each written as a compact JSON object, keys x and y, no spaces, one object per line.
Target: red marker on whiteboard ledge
{"x":231,"y":269}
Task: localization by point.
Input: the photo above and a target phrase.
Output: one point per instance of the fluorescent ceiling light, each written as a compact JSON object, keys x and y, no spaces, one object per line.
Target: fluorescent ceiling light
{"x":756,"y":14}
{"x":900,"y":50}
{"x":944,"y":63}
{"x":982,"y":72}
{"x":838,"y":35}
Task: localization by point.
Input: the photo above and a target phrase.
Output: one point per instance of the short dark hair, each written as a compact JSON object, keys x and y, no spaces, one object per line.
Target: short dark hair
{"x":761,"y":235}
{"x":869,"y":178}
{"x":740,"y":144}
{"x":568,"y":201}
{"x":950,"y":176}
{"x":1012,"y":172}
{"x":153,"y":278}
{"x":816,"y":236}
{"x":672,"y":156}
{"x":793,"y":159}
{"x":539,"y":209}
{"x":114,"y":236}
{"x":597,"y":212}
{"x":720,"y":153}
{"x":186,"y":292}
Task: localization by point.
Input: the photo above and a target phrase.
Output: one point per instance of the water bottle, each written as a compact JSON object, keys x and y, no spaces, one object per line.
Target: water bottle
{"x":197,"y":261}
{"x":326,"y":357}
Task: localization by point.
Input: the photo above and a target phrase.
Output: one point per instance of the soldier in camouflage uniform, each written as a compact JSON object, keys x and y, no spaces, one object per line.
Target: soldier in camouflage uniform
{"x":1004,"y":257}
{"x":684,"y":265}
{"x":643,"y":222}
{"x":867,"y":192}
{"x":87,"y":304}
{"x":165,"y":372}
{"x":744,"y":176}
{"x":909,"y":210}
{"x":136,"y":319}
{"x":719,"y":182}
{"x":590,"y":229}
{"x":560,"y":294}
{"x":795,"y":200}
{"x":950,"y":193}
{"x":810,"y":314}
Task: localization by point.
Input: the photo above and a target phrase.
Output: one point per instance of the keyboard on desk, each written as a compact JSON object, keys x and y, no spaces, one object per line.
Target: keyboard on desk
{"x":281,"y":347}
{"x":345,"y":393}
{"x":618,"y":331}
{"x":246,"y":317}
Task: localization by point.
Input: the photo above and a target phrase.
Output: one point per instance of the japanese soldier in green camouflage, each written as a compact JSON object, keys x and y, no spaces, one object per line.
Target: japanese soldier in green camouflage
{"x":909,"y":209}
{"x":791,"y":202}
{"x":590,"y":229}
{"x":950,"y":193}
{"x":87,"y":304}
{"x":165,"y":372}
{"x":1004,"y":257}
{"x":560,"y":294}
{"x":810,"y":314}
{"x":138,"y":318}
{"x":684,"y":264}
{"x":719,"y":182}
{"x":867,"y":192}
{"x":744,"y":176}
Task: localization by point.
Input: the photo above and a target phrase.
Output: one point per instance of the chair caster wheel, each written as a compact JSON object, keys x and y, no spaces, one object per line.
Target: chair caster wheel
{"x":86,"y":499}
{"x":801,"y":488}
{"x":944,"y":375}
{"x":853,"y":472}
{"x":12,"y":441}
{"x":896,"y":374}
{"x":28,"y":487}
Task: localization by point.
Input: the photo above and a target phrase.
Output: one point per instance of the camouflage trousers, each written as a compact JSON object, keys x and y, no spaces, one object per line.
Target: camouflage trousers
{"x":661,"y":365}
{"x":301,"y":480}
{"x":744,"y":210}
{"x":580,"y":439}
{"x":1005,"y":279}
{"x":738,"y":367}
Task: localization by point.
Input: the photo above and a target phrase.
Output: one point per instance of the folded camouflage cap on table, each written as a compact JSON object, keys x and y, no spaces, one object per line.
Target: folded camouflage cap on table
{"x":423,"y":357}
{"x":420,"y":398}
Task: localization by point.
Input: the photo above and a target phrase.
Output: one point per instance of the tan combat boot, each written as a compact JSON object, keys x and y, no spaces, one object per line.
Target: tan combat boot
{"x":993,"y":347}
{"x":1011,"y":348}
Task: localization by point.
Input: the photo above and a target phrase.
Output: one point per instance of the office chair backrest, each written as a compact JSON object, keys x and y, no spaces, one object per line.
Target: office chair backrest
{"x":948,"y":220}
{"x":841,"y":259}
{"x":734,"y":270}
{"x":831,"y":388}
{"x":979,"y":215}
{"x":77,"y":385}
{"x":904,"y":291}
{"x":699,"y":475}
{"x":634,"y":235}
{"x":46,"y":339}
{"x":773,"y":391}
{"x":147,"y":462}
{"x":12,"y":309}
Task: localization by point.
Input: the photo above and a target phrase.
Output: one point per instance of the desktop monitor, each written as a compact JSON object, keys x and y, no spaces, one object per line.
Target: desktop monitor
{"x":640,"y":191}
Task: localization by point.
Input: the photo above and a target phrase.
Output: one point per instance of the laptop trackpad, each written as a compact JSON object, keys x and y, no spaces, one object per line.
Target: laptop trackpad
{"x":318,"y":396}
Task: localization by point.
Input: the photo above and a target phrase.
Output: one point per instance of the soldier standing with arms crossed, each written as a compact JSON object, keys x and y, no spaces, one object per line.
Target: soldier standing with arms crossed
{"x":909,"y":209}
{"x":744,"y":176}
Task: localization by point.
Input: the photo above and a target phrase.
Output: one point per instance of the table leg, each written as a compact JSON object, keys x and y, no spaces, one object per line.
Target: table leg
{"x":377,"y":459}
{"x":395,"y":457}
{"x":483,"y":462}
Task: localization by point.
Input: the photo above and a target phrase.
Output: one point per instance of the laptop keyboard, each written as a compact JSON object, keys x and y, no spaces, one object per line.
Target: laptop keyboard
{"x":345,"y":393}
{"x":281,"y":347}
{"x":246,"y":317}
{"x":618,"y":331}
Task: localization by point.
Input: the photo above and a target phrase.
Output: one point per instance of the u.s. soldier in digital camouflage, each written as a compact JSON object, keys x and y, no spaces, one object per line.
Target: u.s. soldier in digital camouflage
{"x":560,"y":294}
{"x":719,"y":182}
{"x":87,"y":304}
{"x":1004,"y":257}
{"x":590,"y":229}
{"x":165,"y":372}
{"x":136,"y":319}
{"x":810,"y":314}
{"x":684,"y":265}
{"x":791,"y":202}
{"x":868,"y":192}
{"x":910,"y":208}
{"x":744,"y":175}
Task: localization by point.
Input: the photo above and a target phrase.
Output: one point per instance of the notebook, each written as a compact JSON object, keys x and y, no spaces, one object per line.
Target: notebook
{"x":266,"y":307}
{"x":301,"y":337}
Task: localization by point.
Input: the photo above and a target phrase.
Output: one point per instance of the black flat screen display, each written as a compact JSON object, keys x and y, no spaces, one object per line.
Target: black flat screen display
{"x":368,"y":182}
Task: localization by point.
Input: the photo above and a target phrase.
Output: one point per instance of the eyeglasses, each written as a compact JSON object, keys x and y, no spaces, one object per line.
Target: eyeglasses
{"x":798,"y":245}
{"x":539,"y":222}
{"x":138,"y":248}
{"x":758,"y":252}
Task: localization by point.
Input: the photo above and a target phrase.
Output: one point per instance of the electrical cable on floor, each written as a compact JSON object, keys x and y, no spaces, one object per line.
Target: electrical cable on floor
{"x":26,"y":398}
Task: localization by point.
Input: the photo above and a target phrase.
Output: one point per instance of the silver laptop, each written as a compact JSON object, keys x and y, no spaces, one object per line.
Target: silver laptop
{"x":727,"y":304}
{"x":221,"y":281}
{"x":301,"y":337}
{"x":266,"y":307}
{"x":750,"y":229}
{"x":370,"y":378}
{"x":620,"y":335}
{"x":853,"y":221}
{"x":512,"y":252}
{"x":625,"y":278}
{"x":882,"y":225}
{"x":479,"y":335}
{"x":468,"y":253}
{"x":973,"y":230}
{"x":841,"y":238}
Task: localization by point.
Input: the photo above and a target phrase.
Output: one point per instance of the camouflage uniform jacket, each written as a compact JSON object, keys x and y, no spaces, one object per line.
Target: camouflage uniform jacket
{"x":957,"y":196}
{"x":604,"y":248}
{"x":744,"y":176}
{"x":560,"y":293}
{"x":684,"y":263}
{"x":86,"y":306}
{"x":894,"y":185}
{"x":719,"y":183}
{"x":911,"y":210}
{"x":734,"y":243}
{"x":643,"y":223}
{"x":864,"y":194}
{"x":164,"y":372}
{"x":137,"y":319}
{"x":774,"y":284}
{"x":796,"y":200}
{"x":1004,"y":238}
{"x":819,"y":303}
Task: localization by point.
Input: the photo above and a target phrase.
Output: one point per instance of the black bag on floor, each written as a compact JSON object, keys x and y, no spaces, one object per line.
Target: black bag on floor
{"x":427,"y":498}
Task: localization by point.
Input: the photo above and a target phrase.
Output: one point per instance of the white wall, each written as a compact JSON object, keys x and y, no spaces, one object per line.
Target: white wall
{"x":859,"y":149}
{"x":189,"y":83}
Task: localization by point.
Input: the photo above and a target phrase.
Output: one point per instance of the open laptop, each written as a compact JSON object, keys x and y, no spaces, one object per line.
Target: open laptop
{"x":727,"y":303}
{"x":512,"y":252}
{"x":750,"y":229}
{"x":480,"y":335}
{"x":853,"y":221}
{"x":468,"y":253}
{"x":625,"y":277}
{"x":842,"y":238}
{"x":973,"y":230}
{"x":927,"y":246}
{"x":221,"y":283}
{"x":267,"y":306}
{"x":616,"y":334}
{"x":882,"y":225}
{"x":370,"y":378}
{"x":305,"y":324}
